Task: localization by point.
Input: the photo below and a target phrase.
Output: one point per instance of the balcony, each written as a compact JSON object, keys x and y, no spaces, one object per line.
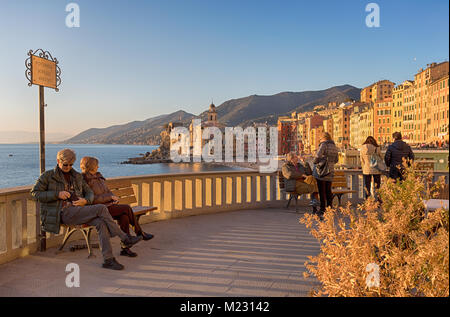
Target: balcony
{"x":241,"y":242}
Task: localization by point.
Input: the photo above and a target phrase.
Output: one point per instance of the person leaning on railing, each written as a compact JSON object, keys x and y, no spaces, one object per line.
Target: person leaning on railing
{"x":369,"y":150}
{"x":64,"y":195}
{"x":103,"y":195}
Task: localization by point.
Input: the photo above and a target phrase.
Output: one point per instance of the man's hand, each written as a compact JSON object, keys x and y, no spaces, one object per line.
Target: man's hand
{"x":80,"y":202}
{"x":63,"y":195}
{"x":115,"y":199}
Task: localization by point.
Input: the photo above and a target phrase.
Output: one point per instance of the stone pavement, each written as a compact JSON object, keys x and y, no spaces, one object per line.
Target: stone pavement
{"x":258,"y":253}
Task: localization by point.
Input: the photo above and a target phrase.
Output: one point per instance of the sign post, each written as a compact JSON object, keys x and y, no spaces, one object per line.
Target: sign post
{"x":42,"y":70}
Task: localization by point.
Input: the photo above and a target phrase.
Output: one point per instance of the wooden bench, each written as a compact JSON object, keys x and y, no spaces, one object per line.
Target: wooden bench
{"x":120,"y":188}
{"x":441,"y":201}
{"x":339,"y":186}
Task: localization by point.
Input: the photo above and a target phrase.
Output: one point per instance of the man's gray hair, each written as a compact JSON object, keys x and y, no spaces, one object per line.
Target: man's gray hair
{"x":66,"y":156}
{"x":290,"y":155}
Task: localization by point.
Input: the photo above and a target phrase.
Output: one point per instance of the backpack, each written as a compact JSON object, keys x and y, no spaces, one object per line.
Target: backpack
{"x":376,"y":162}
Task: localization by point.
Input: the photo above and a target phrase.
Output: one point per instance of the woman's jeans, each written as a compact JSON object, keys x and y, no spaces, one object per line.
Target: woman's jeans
{"x":325,"y":194}
{"x":368,"y":183}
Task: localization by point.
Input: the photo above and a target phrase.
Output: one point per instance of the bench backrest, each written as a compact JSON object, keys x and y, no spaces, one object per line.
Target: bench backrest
{"x":122,"y":189}
{"x":443,"y":193}
{"x":281,"y":180}
{"x":339,"y":180}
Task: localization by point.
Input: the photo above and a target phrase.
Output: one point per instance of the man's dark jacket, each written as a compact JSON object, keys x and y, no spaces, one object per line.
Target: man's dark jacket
{"x":46,"y":191}
{"x":394,"y":157}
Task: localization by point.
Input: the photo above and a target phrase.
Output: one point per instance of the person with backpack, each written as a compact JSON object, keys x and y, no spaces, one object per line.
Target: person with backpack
{"x":395,"y":154}
{"x":372,"y":164}
{"x":324,"y":160}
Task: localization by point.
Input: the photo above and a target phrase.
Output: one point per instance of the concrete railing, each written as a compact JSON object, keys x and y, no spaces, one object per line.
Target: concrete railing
{"x":174,"y":195}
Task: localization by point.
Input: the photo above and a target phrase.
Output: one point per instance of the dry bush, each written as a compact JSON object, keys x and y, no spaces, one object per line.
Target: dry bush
{"x":409,"y":245}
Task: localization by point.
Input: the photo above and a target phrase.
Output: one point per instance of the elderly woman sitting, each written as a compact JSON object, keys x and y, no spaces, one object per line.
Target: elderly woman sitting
{"x":299,"y":178}
{"x":102,"y":195}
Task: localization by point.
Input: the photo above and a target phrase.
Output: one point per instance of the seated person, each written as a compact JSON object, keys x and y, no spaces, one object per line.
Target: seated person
{"x":299,"y":179}
{"x":102,"y":195}
{"x":65,"y":198}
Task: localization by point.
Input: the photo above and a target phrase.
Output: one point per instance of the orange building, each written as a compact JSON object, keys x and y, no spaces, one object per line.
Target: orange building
{"x":423,"y":106}
{"x":383,"y":121}
{"x":438,"y":92}
{"x":288,"y":134}
{"x":341,"y":125}
{"x":377,"y":92}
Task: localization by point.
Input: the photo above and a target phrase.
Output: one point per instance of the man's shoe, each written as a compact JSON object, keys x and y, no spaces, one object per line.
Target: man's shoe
{"x":145,"y":236}
{"x":128,"y":252}
{"x":130,"y":241}
{"x":112,"y":264}
{"x":320,"y":214}
{"x":314,"y":203}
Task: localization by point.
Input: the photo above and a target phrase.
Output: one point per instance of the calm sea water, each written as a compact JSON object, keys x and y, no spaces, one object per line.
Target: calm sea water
{"x":19,"y":163}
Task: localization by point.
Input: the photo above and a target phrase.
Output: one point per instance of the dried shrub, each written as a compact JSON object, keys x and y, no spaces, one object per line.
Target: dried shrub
{"x":409,"y":245}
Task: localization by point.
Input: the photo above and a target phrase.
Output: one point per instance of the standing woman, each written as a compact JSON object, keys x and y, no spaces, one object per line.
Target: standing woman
{"x":370,"y":149}
{"x":102,"y":195}
{"x":327,"y":155}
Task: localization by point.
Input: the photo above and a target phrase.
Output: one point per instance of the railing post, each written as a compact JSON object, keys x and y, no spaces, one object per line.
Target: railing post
{"x":263,"y":188}
{"x":213,"y":192}
{"x":253,"y":189}
{"x":203,"y":192}
{"x":194,"y":193}
{"x":24,"y":223}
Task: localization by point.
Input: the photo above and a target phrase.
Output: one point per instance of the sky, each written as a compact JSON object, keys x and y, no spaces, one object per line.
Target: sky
{"x":133,"y":60}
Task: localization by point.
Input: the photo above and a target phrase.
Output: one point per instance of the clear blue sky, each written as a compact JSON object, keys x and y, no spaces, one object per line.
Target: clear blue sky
{"x":132,"y":60}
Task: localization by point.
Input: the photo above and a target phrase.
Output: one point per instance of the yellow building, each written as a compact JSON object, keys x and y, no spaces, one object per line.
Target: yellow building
{"x":397,"y":105}
{"x":355,"y":141}
{"x":360,"y":125}
{"x":328,"y":125}
{"x":365,"y":124}
{"x":408,"y":123}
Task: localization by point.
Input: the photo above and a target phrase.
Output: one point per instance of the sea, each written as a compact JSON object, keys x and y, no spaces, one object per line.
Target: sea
{"x":19,"y":163}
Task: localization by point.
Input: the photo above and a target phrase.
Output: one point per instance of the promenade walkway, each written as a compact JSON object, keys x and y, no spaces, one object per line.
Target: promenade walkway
{"x":238,"y":253}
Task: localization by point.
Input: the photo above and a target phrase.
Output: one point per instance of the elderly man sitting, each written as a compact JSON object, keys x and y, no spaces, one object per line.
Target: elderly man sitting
{"x":299,"y":178}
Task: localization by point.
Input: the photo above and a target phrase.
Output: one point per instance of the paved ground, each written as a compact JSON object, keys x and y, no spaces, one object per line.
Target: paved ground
{"x":241,"y":253}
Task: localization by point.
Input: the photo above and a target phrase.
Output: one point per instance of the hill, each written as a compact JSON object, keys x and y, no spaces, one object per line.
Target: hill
{"x":235,"y":112}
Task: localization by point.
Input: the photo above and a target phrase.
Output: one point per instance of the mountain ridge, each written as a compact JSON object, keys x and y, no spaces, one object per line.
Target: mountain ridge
{"x":234,"y":112}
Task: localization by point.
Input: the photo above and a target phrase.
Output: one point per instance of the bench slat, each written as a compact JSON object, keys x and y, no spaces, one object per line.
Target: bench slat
{"x":116,"y":184}
{"x":140,"y":210}
{"x":334,"y":185}
{"x":123,"y":192}
{"x":343,"y":191}
{"x":127,"y":200}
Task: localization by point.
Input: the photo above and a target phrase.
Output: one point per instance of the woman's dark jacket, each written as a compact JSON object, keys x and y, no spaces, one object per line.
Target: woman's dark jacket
{"x":327,"y":151}
{"x":102,"y":194}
